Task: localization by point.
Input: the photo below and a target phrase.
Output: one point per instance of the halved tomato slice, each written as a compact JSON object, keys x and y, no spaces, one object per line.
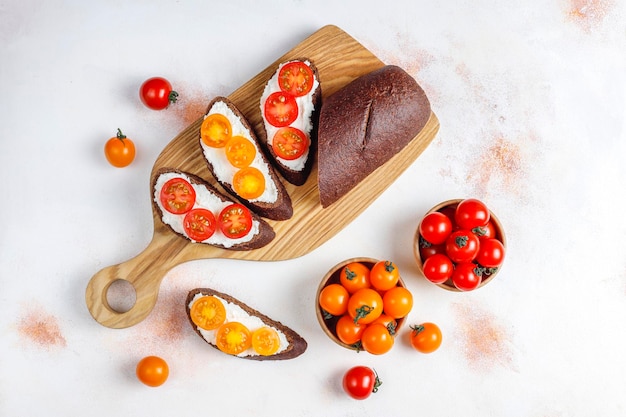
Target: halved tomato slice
{"x":215,"y":130}
{"x":290,"y":143}
{"x":177,"y":196}
{"x":233,"y":338}
{"x":281,"y":109}
{"x":265,"y":341}
{"x":235,"y":221}
{"x":249,"y":183}
{"x":208,"y":312}
{"x":240,"y":152}
{"x":199,"y":224}
{"x":296,"y":78}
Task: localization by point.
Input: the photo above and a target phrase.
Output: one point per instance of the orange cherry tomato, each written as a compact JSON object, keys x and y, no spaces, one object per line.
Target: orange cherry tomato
{"x":296,"y":78}
{"x":280,"y":109}
{"x":177,"y":196}
{"x":397,"y":302}
{"x":334,"y":299}
{"x":152,"y":371}
{"x":233,"y":338}
{"x":365,"y":306}
{"x":425,"y":337}
{"x":208,"y":312}
{"x":348,"y":331}
{"x":119,"y":150}
{"x":389,"y":322}
{"x":265,"y":341}
{"x":376,"y":339}
{"x":199,"y":224}
{"x":240,"y":152}
{"x":215,"y":130}
{"x":249,"y":183}
{"x":384,"y":275}
{"x":290,"y":143}
{"x":235,"y":221}
{"x":355,"y":276}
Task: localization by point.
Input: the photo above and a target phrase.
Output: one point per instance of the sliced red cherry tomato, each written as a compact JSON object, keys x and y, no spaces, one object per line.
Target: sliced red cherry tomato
{"x":466,"y":276}
{"x":290,"y":143}
{"x":281,"y":109}
{"x":296,"y":78}
{"x":156,"y":93}
{"x":235,"y":221}
{"x":215,"y":130}
{"x":177,"y":196}
{"x":240,"y":152}
{"x":249,"y":183}
{"x":462,"y":246}
{"x":199,"y":224}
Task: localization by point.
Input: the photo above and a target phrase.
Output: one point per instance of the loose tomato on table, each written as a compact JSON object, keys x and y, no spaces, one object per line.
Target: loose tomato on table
{"x":425,"y":337}
{"x":208,"y":312}
{"x":438,"y":268}
{"x":435,"y":227}
{"x":384,"y":275}
{"x":397,"y":302}
{"x":177,"y":196}
{"x":240,"y":152}
{"x":290,"y":143}
{"x":365,"y":306}
{"x":462,"y":246}
{"x":119,"y":150}
{"x":280,"y":109}
{"x":334,"y":299}
{"x":199,"y":224}
{"x":157,"y":94}
{"x":471,"y":213}
{"x":466,"y":276}
{"x":235,"y":221}
{"x":355,"y":276}
{"x":233,"y":338}
{"x":296,"y":78}
{"x":152,"y":371}
{"x":376,"y":339}
{"x":360,"y":382}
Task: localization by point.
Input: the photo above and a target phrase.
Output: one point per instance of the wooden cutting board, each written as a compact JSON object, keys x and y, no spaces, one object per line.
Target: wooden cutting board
{"x":339,"y":59}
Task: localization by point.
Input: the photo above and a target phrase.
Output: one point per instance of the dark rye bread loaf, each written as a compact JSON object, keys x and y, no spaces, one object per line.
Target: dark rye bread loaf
{"x":281,"y":209}
{"x":265,"y":235}
{"x":297,"y":177}
{"x":297,"y":345}
{"x":363,"y":125}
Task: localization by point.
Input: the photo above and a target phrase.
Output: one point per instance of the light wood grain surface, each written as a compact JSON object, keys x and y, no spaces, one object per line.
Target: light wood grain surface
{"x":340,"y":59}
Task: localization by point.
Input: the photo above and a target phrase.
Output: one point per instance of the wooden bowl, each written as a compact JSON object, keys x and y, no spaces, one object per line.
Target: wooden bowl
{"x":448,"y":285}
{"x":332,"y":277}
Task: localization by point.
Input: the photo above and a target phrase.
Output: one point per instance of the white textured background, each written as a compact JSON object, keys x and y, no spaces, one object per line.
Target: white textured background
{"x":531,"y":97}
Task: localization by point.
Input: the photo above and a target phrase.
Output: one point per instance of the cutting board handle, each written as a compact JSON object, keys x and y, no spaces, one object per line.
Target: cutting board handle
{"x":144,"y":272}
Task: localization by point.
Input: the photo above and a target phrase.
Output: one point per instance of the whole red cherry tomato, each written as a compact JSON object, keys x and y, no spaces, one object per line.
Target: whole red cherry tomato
{"x":435,"y":227}
{"x":156,"y":93}
{"x":466,"y":276}
{"x":360,"y":382}
{"x":491,"y":253}
{"x":438,"y":268}
{"x":471,"y":213}
{"x":462,"y":246}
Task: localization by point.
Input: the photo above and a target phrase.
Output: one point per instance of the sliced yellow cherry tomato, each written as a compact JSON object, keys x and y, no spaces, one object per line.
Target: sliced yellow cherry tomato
{"x":208,"y":312}
{"x":265,"y":341}
{"x":249,"y":183}
{"x":233,"y":338}
{"x":240,"y":151}
{"x":216,"y":130}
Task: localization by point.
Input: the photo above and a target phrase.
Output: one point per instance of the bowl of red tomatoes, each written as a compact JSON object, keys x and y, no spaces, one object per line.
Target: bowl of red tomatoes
{"x":460,"y":245}
{"x":362,"y":303}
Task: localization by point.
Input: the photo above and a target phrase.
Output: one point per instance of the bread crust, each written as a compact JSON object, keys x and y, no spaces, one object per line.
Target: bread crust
{"x":363,"y":125}
{"x":282,"y":208}
{"x":266,"y":232}
{"x":292,"y":176}
{"x":297,"y":344}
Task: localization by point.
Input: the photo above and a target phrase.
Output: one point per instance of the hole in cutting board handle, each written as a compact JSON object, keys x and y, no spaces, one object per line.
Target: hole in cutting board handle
{"x":121,"y":296}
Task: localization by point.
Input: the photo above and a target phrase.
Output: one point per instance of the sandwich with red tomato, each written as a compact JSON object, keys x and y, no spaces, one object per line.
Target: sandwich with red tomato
{"x":289,"y":107}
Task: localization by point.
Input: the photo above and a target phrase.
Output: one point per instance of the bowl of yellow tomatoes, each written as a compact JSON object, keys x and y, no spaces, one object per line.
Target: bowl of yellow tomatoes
{"x":362,"y":303}
{"x":460,"y":245}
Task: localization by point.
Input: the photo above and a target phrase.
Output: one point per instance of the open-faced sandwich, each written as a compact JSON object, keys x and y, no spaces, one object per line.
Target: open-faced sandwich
{"x":237,"y":329}
{"x":290,"y":106}
{"x":235,"y":159}
{"x":195,"y":210}
{"x":365,"y":124}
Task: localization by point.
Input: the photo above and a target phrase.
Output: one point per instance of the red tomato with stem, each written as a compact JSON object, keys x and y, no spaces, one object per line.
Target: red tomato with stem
{"x":471,"y":213}
{"x":156,"y":93}
{"x":360,"y":382}
{"x":462,"y":246}
{"x":491,"y":253}
{"x":487,"y":231}
{"x":438,"y":268}
{"x":466,"y":276}
{"x":435,"y":227}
